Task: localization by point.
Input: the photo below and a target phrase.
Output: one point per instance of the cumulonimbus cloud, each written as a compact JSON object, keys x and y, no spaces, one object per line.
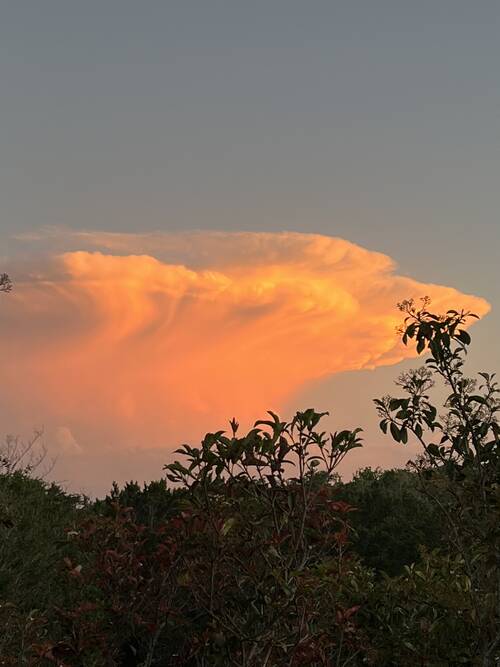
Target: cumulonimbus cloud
{"x":142,"y":340}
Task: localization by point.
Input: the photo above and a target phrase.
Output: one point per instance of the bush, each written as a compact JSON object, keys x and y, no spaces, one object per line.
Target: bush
{"x":460,"y":465}
{"x":393,"y":518}
{"x":250,"y":557}
{"x":34,"y":518}
{"x":252,"y":570}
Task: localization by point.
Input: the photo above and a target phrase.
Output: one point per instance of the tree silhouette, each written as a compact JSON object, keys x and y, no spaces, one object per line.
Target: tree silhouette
{"x":463,"y":457}
{"x":5,"y":283}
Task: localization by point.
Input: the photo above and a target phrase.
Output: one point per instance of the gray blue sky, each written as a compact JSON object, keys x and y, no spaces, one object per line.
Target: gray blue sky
{"x":375,"y":121}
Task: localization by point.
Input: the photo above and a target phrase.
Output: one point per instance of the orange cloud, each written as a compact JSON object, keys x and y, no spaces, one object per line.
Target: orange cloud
{"x":111,"y":347}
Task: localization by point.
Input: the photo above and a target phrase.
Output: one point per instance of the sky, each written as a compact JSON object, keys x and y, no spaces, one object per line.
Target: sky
{"x":278,"y":168}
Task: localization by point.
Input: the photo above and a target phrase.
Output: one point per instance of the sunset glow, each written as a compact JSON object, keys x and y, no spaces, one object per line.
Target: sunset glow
{"x":146,"y":349}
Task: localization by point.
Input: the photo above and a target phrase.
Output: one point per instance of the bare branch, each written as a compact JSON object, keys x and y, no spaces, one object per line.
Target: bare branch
{"x":28,"y":456}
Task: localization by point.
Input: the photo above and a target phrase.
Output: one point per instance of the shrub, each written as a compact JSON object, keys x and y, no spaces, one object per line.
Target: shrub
{"x":460,"y":465}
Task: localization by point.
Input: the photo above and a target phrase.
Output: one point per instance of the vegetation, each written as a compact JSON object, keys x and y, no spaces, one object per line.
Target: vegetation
{"x":253,"y":552}
{"x":392,"y":519}
{"x":5,"y":283}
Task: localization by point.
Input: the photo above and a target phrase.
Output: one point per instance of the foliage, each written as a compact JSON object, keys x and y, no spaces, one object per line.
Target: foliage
{"x":424,"y":616}
{"x":34,"y":517}
{"x":252,"y":552}
{"x":5,"y":283}
{"x":28,"y":457}
{"x":460,"y":468}
{"x":152,"y":504}
{"x":393,"y":518}
{"x":123,"y":580}
{"x":252,"y":570}
{"x":271,"y":577}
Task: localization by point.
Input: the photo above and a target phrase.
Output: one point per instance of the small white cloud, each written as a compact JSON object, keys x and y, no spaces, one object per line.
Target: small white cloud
{"x":65,"y":442}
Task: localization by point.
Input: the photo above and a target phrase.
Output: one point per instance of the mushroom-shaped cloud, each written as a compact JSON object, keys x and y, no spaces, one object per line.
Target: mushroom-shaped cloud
{"x":144,"y":339}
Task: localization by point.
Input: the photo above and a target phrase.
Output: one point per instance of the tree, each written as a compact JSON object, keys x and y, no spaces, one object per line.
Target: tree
{"x":393,"y":518}
{"x":34,"y":518}
{"x":5,"y":283}
{"x":268,"y":569}
{"x":460,"y":465}
{"x":153,"y":504}
{"x":249,"y":567}
{"x":28,"y":457}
